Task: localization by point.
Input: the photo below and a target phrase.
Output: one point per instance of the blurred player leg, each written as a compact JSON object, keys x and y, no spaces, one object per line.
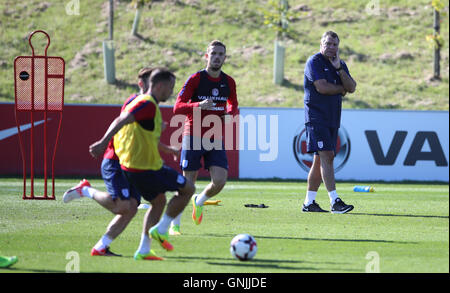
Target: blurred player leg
{"x":218,"y":179}
{"x":175,"y":225}
{"x":175,"y":206}
{"x":151,"y":218}
{"x":125,"y":210}
{"x":192,"y":177}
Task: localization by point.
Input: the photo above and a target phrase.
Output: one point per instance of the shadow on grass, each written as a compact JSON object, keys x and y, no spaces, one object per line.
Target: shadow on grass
{"x":394,"y":215}
{"x":264,"y":263}
{"x":142,"y":38}
{"x":13,"y":269}
{"x":318,"y":239}
{"x":126,"y":85}
{"x":287,"y":83}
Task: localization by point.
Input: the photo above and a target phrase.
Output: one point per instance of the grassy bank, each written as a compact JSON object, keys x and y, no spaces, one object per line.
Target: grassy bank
{"x":386,"y":52}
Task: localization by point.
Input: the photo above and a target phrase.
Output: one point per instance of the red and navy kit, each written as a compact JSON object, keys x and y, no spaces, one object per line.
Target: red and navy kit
{"x":201,"y":86}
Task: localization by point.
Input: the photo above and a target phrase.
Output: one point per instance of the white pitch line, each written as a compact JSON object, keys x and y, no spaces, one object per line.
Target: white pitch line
{"x":244,"y":185}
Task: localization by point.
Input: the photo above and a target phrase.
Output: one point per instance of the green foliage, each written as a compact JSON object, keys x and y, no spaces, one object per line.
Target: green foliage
{"x":140,"y":3}
{"x":438,"y":4}
{"x":175,"y":34}
{"x":436,"y":41}
{"x":277,"y":15}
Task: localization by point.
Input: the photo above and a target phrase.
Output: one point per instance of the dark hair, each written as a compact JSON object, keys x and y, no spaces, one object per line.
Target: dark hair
{"x":331,"y":34}
{"x":216,"y":43}
{"x":143,"y":76}
{"x":160,"y":74}
{"x":149,"y":75}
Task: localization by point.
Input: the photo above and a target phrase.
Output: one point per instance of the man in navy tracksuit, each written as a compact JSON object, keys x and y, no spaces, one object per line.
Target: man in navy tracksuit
{"x":327,"y":80}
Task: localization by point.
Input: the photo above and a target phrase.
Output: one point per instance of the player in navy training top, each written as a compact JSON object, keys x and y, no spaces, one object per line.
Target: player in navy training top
{"x":327,"y":80}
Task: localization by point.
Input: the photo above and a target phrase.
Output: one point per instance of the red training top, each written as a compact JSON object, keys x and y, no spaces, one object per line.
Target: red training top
{"x":201,"y":86}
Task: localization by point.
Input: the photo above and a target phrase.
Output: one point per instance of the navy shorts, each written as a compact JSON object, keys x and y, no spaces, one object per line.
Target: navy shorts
{"x":116,"y":183}
{"x":151,"y":183}
{"x":193,"y":151}
{"x":320,"y":138}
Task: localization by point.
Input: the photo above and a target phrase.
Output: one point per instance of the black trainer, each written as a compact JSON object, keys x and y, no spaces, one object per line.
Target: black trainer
{"x":110,"y":253}
{"x":313,"y":207}
{"x":339,"y":207}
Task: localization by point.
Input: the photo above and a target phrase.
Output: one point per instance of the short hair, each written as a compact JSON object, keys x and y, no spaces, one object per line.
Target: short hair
{"x":143,"y":76}
{"x":153,"y":75}
{"x":160,"y":74}
{"x":145,"y":72}
{"x":216,"y":43}
{"x":331,"y":34}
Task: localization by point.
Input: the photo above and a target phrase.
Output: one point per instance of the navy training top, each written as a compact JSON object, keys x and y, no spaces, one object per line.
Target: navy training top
{"x":322,"y":109}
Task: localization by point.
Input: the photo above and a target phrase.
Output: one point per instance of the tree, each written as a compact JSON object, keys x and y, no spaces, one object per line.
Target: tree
{"x":436,"y":39}
{"x":276,"y":17}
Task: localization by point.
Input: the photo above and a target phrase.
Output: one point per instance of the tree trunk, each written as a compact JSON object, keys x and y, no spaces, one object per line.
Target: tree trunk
{"x":279,"y":50}
{"x":111,"y":19}
{"x":278,"y":62}
{"x":108,"y":49}
{"x":137,"y":18}
{"x":437,"y":48}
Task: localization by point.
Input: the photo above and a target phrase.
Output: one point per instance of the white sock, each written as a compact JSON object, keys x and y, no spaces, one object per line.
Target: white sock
{"x":104,"y":242}
{"x":164,"y":223}
{"x":177,"y":220}
{"x":144,"y":246}
{"x":201,"y":198}
{"x":333,"y":195}
{"x":87,"y":191}
{"x":310,"y":197}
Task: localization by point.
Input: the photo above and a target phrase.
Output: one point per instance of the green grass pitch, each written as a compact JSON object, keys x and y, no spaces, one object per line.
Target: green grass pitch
{"x":400,"y":228}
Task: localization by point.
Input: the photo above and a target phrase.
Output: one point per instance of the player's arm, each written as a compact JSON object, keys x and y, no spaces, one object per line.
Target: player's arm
{"x":232,"y":103}
{"x":98,"y":148}
{"x":183,"y":104}
{"x":171,"y":150}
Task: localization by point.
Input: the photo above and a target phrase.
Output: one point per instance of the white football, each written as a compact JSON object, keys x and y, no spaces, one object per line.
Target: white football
{"x":243,"y":247}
